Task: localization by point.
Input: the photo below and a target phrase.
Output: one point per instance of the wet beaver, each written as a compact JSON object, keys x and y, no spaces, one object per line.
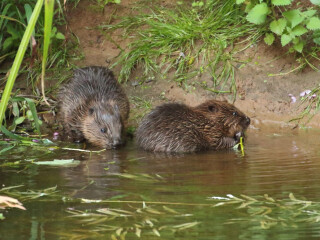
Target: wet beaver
{"x":94,"y":107}
{"x":175,"y":127}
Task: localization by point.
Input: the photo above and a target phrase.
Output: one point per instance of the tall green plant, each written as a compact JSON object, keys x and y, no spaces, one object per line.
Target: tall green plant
{"x":22,"y":49}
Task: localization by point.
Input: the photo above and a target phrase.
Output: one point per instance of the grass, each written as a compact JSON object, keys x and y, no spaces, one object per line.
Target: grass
{"x":187,"y":41}
{"x":56,"y":63}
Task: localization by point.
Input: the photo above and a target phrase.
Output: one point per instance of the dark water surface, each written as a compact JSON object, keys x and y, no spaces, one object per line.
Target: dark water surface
{"x":154,"y":196}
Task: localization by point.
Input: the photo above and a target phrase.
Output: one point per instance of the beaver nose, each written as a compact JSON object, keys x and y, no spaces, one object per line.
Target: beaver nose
{"x":116,"y":143}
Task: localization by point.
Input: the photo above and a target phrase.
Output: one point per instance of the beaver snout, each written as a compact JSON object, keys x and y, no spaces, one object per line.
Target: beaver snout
{"x":117,"y":142}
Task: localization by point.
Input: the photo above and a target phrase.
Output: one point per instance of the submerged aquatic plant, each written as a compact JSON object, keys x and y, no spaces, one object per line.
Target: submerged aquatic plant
{"x":268,"y":212}
{"x":29,"y":195}
{"x":138,"y":221}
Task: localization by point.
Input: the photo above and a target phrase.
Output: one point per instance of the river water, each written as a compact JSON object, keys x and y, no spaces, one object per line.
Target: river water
{"x":272,"y":192}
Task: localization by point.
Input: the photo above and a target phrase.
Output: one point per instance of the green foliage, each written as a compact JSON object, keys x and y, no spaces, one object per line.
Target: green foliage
{"x":186,"y":42}
{"x":292,"y":26}
{"x":14,"y":17}
{"x":18,"y":59}
{"x":281,"y":2}
{"x":258,"y":13}
{"x":23,"y":109}
{"x":269,"y":38}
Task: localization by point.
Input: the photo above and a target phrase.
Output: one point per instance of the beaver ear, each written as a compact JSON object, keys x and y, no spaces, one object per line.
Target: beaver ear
{"x":91,"y":110}
{"x":212,"y":108}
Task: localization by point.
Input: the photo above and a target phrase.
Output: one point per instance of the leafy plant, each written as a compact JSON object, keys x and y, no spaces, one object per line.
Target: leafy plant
{"x":292,"y":26}
{"x":14,"y":17}
{"x":23,"y":109}
{"x":22,"y":49}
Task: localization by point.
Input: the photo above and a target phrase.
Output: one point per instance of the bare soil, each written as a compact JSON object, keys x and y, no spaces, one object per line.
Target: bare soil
{"x":264,"y":98}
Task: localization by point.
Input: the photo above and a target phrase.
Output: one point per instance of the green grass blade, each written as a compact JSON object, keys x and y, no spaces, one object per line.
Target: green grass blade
{"x":33,"y":110}
{"x":11,"y":19}
{"x":4,"y":13}
{"x":18,"y":59}
{"x":10,"y":134}
{"x":49,"y":7}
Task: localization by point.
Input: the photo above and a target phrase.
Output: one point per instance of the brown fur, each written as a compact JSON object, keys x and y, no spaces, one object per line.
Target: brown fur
{"x":176,"y":127}
{"x":94,"y":107}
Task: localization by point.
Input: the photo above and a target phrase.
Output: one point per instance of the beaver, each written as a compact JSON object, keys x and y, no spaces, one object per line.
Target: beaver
{"x":94,"y":107}
{"x":175,"y":127}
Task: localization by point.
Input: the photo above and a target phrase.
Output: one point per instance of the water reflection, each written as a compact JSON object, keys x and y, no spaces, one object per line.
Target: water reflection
{"x":274,"y":164}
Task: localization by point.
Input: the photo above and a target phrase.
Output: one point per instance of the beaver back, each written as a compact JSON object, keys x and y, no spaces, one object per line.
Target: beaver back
{"x":174,"y":127}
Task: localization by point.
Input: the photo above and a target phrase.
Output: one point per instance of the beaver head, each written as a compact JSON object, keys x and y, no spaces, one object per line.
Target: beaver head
{"x":226,"y":118}
{"x":102,"y":125}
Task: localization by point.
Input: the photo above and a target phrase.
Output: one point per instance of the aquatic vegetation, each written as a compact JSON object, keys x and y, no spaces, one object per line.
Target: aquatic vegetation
{"x":138,"y":221}
{"x":59,"y":163}
{"x":267,"y":212}
{"x":30,"y":195}
{"x":140,"y":177}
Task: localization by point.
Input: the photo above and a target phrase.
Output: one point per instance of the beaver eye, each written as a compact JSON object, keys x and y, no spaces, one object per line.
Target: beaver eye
{"x":91,"y":110}
{"x":103,"y":130}
{"x":235,"y":114}
{"x":211,"y":108}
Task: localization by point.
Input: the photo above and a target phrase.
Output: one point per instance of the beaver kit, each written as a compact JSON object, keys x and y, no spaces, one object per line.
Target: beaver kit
{"x":175,"y":127}
{"x":94,"y":107}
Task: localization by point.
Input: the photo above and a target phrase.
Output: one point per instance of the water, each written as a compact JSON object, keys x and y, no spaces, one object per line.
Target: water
{"x":169,"y":195}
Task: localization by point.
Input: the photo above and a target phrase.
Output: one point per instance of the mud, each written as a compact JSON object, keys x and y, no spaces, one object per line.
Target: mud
{"x":264,"y":98}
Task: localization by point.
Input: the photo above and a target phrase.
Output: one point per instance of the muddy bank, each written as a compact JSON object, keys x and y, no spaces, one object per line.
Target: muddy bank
{"x":263,"y":79}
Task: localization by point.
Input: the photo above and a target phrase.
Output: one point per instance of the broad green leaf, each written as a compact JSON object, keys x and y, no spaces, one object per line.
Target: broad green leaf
{"x":316,"y":37}
{"x":277,"y":26}
{"x":258,"y":14}
{"x":299,"y":30}
{"x":59,"y":35}
{"x":294,"y":17}
{"x":298,"y":47}
{"x":15,"y":109}
{"x":281,"y":2}
{"x":309,"y":13}
{"x":19,"y":120}
{"x":33,"y":110}
{"x":314,"y":23}
{"x":7,"y":43}
{"x":285,"y":39}
{"x":269,"y":38}
{"x":239,"y":1}
{"x":315,"y":2}
{"x":29,"y":115}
